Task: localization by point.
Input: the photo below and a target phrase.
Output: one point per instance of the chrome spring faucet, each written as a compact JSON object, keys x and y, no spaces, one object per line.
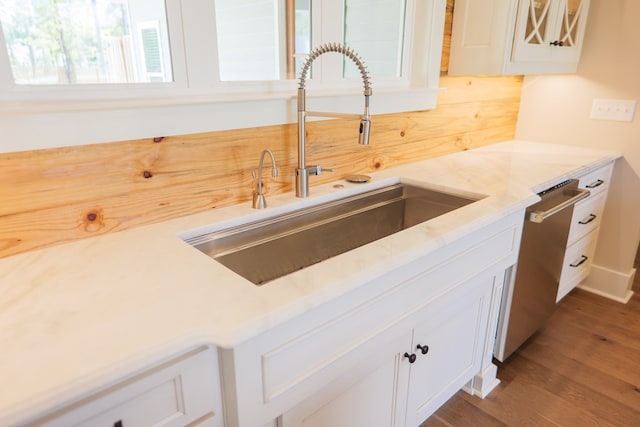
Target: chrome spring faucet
{"x":259,"y":202}
{"x":303,"y":171}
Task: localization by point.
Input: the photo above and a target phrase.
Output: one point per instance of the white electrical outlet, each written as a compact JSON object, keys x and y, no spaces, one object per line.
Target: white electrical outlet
{"x":621,"y":110}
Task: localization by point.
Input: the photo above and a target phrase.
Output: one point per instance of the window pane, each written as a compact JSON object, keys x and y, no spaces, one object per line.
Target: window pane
{"x":262,"y":39}
{"x":248,"y":39}
{"x":86,"y":41}
{"x":302,"y":33}
{"x":375,"y":29}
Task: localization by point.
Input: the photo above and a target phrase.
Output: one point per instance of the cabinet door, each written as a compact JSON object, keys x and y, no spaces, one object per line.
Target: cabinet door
{"x":448,"y":347}
{"x":570,"y":23}
{"x":549,"y":30}
{"x":360,"y":399}
{"x":534,"y":30}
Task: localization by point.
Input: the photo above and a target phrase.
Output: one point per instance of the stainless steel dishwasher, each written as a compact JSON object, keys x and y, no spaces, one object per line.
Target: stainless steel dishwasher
{"x":529,"y":296}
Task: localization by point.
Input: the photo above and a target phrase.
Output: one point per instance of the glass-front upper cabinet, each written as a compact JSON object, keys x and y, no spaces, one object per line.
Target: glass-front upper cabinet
{"x":517,"y":36}
{"x":537,"y":21}
{"x":549,"y":30}
{"x":572,"y":17}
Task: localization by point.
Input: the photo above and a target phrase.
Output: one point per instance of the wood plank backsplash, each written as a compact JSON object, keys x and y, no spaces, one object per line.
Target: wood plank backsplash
{"x":59,"y":195}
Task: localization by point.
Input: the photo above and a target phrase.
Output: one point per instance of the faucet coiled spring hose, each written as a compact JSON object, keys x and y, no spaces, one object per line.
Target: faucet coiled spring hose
{"x":339,"y":48}
{"x":303,"y":171}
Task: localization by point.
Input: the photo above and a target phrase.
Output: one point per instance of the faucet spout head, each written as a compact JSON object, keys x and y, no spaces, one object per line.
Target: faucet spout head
{"x":365,"y":131}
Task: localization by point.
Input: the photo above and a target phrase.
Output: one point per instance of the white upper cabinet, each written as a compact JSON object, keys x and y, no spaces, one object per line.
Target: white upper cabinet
{"x":517,"y":36}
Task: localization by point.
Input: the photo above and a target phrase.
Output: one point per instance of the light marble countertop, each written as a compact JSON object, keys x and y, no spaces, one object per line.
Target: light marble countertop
{"x":78,"y":316}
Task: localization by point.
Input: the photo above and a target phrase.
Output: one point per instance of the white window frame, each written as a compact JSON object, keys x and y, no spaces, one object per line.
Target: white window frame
{"x":198,"y":101}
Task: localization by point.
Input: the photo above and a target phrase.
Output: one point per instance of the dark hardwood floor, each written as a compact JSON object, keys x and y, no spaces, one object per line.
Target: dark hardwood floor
{"x":582,"y":369}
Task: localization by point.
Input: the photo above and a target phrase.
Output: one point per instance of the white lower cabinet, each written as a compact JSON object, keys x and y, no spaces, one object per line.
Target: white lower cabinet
{"x":423,"y":368}
{"x":344,"y":364}
{"x":184,"y":391}
{"x":585,"y":227}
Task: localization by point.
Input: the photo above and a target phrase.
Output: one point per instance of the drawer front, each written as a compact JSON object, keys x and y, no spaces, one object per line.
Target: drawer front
{"x":597,"y":180}
{"x":577,"y":263}
{"x":586,"y":216}
{"x":174,"y":395}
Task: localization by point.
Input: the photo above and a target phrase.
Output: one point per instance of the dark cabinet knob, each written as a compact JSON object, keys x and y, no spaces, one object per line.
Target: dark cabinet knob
{"x":424,"y":349}
{"x":556,"y":43}
{"x":411,"y":357}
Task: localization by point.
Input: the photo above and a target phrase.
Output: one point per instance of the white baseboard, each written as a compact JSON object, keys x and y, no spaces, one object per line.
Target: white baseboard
{"x":483,"y":383}
{"x":609,"y":283}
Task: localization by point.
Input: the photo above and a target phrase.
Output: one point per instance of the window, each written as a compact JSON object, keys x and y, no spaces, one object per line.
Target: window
{"x":269,"y":39}
{"x":85,"y":41}
{"x":179,"y":66}
{"x":370,"y":32}
{"x":262,"y":39}
{"x":248,"y":39}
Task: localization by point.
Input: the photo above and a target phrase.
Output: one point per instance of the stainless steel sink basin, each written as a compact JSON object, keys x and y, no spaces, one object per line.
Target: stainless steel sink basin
{"x":265,"y":250}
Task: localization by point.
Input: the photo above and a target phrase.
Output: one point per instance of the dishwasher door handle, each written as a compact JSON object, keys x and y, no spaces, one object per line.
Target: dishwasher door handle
{"x":539,"y":216}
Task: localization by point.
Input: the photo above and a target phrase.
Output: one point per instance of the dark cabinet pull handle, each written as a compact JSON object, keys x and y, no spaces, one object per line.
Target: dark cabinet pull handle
{"x":591,"y":218}
{"x":557,"y":43}
{"x":583,"y":258}
{"x":424,"y":349}
{"x":598,"y":183}
{"x":411,"y":357}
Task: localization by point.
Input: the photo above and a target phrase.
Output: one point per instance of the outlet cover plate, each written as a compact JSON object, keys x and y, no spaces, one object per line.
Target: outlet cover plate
{"x":621,"y":110}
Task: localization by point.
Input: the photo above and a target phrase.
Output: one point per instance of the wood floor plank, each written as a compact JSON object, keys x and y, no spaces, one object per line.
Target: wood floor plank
{"x":435,"y":421}
{"x":598,"y":405}
{"x":602,"y":310}
{"x":516,"y":405}
{"x":461,"y":413}
{"x":597,"y":352}
{"x":603,"y":384}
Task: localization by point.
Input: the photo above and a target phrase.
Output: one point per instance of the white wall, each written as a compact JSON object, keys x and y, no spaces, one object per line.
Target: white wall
{"x":556,"y":109}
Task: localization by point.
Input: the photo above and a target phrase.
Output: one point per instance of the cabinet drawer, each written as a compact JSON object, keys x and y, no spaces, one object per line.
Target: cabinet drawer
{"x":174,"y":394}
{"x":597,"y":180}
{"x":577,"y":263}
{"x":586,"y":216}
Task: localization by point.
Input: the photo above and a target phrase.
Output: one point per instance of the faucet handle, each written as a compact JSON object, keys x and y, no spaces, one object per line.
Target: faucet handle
{"x":325,"y":169}
{"x":254,"y":175}
{"x":318,"y":169}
